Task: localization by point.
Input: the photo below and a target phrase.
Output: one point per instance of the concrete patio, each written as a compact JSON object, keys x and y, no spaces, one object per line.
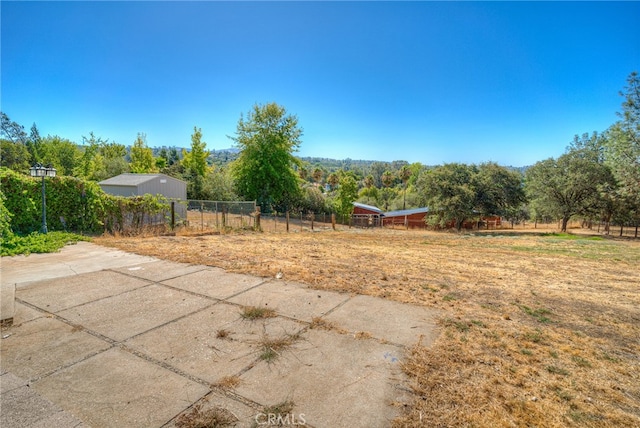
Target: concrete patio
{"x":103,"y":338}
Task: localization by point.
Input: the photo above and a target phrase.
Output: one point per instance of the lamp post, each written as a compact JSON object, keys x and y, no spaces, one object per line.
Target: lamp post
{"x":39,"y":170}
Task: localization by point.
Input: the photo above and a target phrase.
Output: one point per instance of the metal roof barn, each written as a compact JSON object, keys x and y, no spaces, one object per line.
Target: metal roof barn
{"x":141,"y":184}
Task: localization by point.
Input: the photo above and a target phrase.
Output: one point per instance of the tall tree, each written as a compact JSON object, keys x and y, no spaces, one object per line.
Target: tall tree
{"x":404,"y":174}
{"x":347,"y":193}
{"x":141,"y":156}
{"x":499,"y":191}
{"x":448,"y":190}
{"x":317,"y":175}
{"x":387,"y":178}
{"x":264,"y":170}
{"x":623,"y":142}
{"x":61,"y":153}
{"x":195,"y":164}
{"x":11,"y":130}
{"x":571,"y":184}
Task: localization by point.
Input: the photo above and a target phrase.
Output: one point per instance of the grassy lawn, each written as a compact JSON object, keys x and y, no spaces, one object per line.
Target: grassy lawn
{"x":537,"y":329}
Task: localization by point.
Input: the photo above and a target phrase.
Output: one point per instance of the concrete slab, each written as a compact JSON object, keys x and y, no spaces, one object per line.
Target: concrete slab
{"x":291,"y":299}
{"x":118,"y":389}
{"x":43,"y":345}
{"x":160,"y":270}
{"x":25,"y":314}
{"x":7,"y":302}
{"x":71,"y":260}
{"x":215,"y":283}
{"x":63,"y":293}
{"x":23,"y":407}
{"x":393,"y":322}
{"x":129,"y":314}
{"x":193,"y":345}
{"x":9,"y":381}
{"x":245,"y":415}
{"x":333,"y":381}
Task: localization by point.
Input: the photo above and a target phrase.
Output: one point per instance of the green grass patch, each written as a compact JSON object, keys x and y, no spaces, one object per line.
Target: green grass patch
{"x":539,"y":314}
{"x":51,"y":242}
{"x":557,"y":370}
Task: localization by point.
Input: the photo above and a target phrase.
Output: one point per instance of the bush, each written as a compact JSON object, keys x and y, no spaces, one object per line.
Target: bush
{"x":13,"y":245}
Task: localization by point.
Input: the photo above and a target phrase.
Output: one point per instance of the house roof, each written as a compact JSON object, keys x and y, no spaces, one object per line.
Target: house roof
{"x":367,"y":207}
{"x":132,"y":180}
{"x":402,"y":213}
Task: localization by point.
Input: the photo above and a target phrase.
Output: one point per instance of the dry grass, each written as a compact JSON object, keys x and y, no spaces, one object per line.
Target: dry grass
{"x":227,"y":382}
{"x":272,"y":347}
{"x":255,"y":313}
{"x":537,"y":330}
{"x":216,"y":417}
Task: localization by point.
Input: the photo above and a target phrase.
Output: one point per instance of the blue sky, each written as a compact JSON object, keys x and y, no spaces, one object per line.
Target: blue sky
{"x":429,"y":82}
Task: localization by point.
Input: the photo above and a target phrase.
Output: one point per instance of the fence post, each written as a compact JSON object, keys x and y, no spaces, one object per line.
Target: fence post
{"x":333,"y":221}
{"x":406,"y":222}
{"x":287,"y":221}
{"x":173,"y":215}
{"x":224,"y":217}
{"x":311,"y":215}
{"x":256,"y":222}
{"x":201,"y":216}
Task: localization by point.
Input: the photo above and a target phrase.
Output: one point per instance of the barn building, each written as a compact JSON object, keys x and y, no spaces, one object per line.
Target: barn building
{"x":141,"y":184}
{"x":366,"y":215}
{"x":413,"y":219}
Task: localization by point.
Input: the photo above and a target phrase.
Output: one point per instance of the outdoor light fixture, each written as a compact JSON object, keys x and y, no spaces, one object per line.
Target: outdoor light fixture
{"x":39,"y":170}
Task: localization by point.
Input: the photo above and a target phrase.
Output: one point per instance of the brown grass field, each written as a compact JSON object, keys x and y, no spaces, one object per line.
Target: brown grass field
{"x":537,"y":329}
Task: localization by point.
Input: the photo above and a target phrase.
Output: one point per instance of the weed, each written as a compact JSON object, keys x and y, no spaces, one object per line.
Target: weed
{"x":227,"y":382}
{"x":526,"y":351}
{"x":554,"y":354}
{"x":223,"y":334}
{"x":461,"y":326}
{"x":557,"y":370}
{"x":216,"y":417}
{"x":254,"y":313}
{"x":538,"y":314}
{"x":271,"y":347}
{"x":563,"y":394}
{"x":534,"y":336}
{"x":581,"y":361}
{"x":608,"y":357}
{"x":449,"y":297}
{"x":478,"y":323}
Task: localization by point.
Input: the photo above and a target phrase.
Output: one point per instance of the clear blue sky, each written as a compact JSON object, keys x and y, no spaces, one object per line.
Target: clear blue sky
{"x":419,"y":81}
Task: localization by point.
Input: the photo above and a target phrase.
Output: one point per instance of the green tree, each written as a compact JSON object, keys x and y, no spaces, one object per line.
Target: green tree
{"x":387,"y":179}
{"x":623,"y":142}
{"x":499,"y":191}
{"x":11,"y":130}
{"x":317,"y":175}
{"x":405,"y":175}
{"x":333,"y":180}
{"x":264,"y":170}
{"x":449,"y":192}
{"x":347,"y":193}
{"x":110,"y":160}
{"x":195,"y":165}
{"x":141,"y":156}
{"x":61,"y":153}
{"x":195,"y":160}
{"x":90,"y":162}
{"x":14,"y":156}
{"x":571,"y":184}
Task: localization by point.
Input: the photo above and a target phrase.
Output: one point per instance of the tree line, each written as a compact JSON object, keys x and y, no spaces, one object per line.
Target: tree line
{"x":596,"y":179}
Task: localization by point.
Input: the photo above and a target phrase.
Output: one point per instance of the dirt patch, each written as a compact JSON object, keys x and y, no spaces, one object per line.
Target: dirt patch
{"x":538,"y":329}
